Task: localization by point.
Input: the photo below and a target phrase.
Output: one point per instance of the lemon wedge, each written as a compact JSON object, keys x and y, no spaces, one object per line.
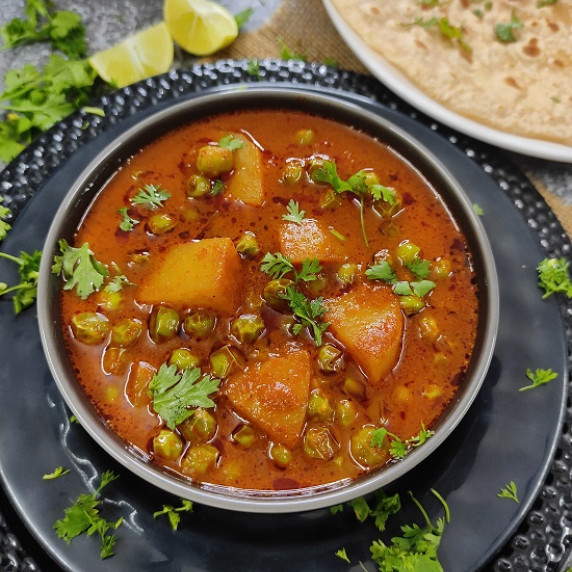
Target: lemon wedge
{"x":200,"y":27}
{"x":143,"y":55}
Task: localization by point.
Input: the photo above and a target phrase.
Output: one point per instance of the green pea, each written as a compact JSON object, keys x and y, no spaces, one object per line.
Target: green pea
{"x":304,"y":136}
{"x":411,"y":304}
{"x":184,"y":359}
{"x":247,"y":245}
{"x":225,"y":361}
{"x":126,"y":332}
{"x":319,"y":443}
{"x":346,"y":412}
{"x":429,"y":330}
{"x":163,"y":324}
{"x":319,"y":406}
{"x":330,"y":358}
{"x":280,"y":455}
{"x":90,"y":328}
{"x":407,"y":252}
{"x":200,"y":427}
{"x":167,"y":445}
{"x":161,"y":223}
{"x":364,"y":452}
{"x":441,"y":268}
{"x":244,"y":436}
{"x":273,"y":292}
{"x":199,"y":323}
{"x":200,"y":459}
{"x":292,"y":173}
{"x":198,"y":186}
{"x":247,"y":328}
{"x":354,"y":388}
{"x":213,"y":160}
{"x":347,"y":272}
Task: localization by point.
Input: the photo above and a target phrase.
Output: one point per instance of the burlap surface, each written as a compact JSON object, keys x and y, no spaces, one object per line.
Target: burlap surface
{"x":305,"y":28}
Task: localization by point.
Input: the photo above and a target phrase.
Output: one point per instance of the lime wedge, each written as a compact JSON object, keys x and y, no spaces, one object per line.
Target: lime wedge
{"x":143,"y":55}
{"x":200,"y":27}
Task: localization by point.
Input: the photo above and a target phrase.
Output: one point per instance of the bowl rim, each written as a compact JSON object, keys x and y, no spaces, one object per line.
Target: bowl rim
{"x":85,"y":190}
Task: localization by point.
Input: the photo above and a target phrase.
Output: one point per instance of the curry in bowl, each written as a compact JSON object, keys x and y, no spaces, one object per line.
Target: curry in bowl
{"x":268,"y":300}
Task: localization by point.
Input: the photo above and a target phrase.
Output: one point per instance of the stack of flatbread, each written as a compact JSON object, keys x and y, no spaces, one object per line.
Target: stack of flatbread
{"x":503,"y":63}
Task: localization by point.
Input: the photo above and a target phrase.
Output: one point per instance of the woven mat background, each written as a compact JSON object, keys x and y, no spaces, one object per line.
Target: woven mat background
{"x":305,"y":28}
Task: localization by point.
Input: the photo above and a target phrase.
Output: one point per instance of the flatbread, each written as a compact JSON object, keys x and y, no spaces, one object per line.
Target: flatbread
{"x":522,"y":87}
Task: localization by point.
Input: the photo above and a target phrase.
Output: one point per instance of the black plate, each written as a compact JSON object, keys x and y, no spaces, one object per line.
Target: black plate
{"x":506,"y":435}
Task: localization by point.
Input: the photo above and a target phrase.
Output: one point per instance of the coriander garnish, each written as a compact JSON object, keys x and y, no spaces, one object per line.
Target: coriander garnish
{"x":538,"y":378}
{"x":509,"y":492}
{"x":173,"y":514}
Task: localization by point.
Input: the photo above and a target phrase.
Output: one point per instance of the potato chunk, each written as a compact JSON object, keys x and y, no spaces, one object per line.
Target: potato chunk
{"x":273,"y":395}
{"x":245,"y":184}
{"x":310,"y":239}
{"x":203,"y":274}
{"x":369,"y":322}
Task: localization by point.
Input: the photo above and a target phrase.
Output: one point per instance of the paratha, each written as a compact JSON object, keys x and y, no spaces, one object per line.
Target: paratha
{"x":506,"y":63}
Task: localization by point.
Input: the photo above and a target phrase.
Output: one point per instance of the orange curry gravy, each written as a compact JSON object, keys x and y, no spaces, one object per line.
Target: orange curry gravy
{"x":287,"y":414}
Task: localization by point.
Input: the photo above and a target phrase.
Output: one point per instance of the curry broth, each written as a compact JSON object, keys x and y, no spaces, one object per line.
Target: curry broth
{"x":411,"y":395}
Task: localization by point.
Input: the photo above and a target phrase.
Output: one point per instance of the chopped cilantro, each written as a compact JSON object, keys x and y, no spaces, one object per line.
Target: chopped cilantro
{"x":231,"y":142}
{"x":117,"y":283}
{"x":79,"y":268}
{"x":538,"y":378}
{"x":446,"y":29}
{"x":337,"y":234}
{"x":151,"y":196}
{"x":477,"y":209}
{"x":277,"y":266}
{"x":336,"y":508}
{"x":553,"y":276}
{"x":242,"y":17}
{"x":287,"y":54}
{"x":509,"y":492}
{"x":26,"y":291}
{"x":505,"y":31}
{"x":308,"y":312}
{"x":419,"y":267}
{"x":173,"y":514}
{"x":83,"y":516}
{"x":57,"y":472}
{"x":253,"y":68}
{"x":294,"y":213}
{"x":397,"y":447}
{"x":173,"y":393}
{"x":218,"y":188}
{"x":62,"y":28}
{"x":382,"y":271}
{"x":127,"y":222}
{"x":341,"y":553}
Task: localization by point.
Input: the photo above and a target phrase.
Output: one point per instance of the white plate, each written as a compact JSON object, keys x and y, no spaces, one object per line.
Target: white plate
{"x":404,"y":88}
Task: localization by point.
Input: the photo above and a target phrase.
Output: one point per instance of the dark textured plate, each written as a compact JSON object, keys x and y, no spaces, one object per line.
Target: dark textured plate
{"x":507,"y":435}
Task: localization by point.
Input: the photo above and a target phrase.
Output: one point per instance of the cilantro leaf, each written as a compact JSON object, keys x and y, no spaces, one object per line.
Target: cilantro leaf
{"x":151,"y":196}
{"x":360,"y":508}
{"x":253,"y":68}
{"x":382,"y":271}
{"x":308,"y":312}
{"x":117,"y":283}
{"x":341,"y":553}
{"x":4,"y":226}
{"x":83,"y":516}
{"x":446,"y":29}
{"x":127,"y":222}
{"x":509,"y":492}
{"x":505,"y":31}
{"x":287,"y":54}
{"x":294,"y":215}
{"x":231,"y":142}
{"x":277,"y":266}
{"x":173,"y":393}
{"x":538,"y":378}
{"x":553,"y":276}
{"x":173,"y":514}
{"x":79,"y":268}
{"x":242,"y":17}
{"x":422,"y":287}
{"x":218,"y":188}
{"x":419,"y":267}
{"x":336,"y":508}
{"x":57,"y":472}
{"x":26,"y":291}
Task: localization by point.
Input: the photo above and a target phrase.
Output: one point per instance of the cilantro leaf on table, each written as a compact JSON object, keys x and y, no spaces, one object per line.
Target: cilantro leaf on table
{"x":83,"y":516}
{"x":79,"y":268}
{"x":35,"y":100}
{"x":173,"y":393}
{"x":26,"y":291}
{"x":538,"y":378}
{"x":173,"y":514}
{"x":62,"y":28}
{"x":151,"y":196}
{"x":553,"y":276}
